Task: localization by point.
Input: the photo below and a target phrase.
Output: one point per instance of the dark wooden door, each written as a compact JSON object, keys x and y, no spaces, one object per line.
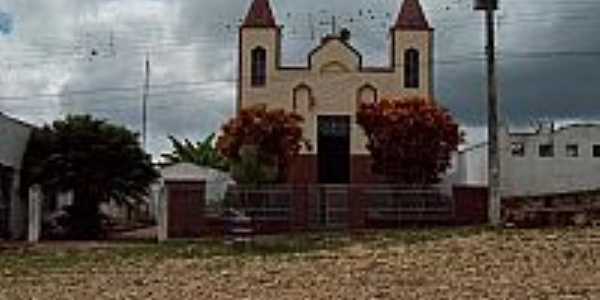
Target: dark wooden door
{"x":186,"y":208}
{"x":333,"y":147}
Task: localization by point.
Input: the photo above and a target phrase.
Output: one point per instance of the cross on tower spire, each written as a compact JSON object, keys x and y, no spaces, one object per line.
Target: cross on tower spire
{"x":260,"y":15}
{"x":412,"y":17}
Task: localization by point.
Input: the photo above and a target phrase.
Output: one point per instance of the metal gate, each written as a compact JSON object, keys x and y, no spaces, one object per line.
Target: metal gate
{"x":329,"y":207}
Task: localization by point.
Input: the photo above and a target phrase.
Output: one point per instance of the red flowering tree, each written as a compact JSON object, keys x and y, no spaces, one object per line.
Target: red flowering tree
{"x":411,"y":140}
{"x":263,"y":140}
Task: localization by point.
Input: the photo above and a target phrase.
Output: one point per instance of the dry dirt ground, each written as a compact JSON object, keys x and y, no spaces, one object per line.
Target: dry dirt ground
{"x":470,"y":263}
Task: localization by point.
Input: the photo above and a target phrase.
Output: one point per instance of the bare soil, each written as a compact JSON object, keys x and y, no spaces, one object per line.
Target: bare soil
{"x":409,"y":264}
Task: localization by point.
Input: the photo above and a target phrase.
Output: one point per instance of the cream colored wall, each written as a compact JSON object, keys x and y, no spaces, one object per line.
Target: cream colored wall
{"x":334,"y":78}
{"x":334,"y":57}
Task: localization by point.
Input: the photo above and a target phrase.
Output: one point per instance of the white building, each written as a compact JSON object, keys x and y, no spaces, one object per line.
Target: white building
{"x":539,"y":162}
{"x":14,"y":136}
{"x":216,"y":181}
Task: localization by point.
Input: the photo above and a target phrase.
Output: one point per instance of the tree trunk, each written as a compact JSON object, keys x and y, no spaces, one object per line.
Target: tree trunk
{"x":85,"y":217}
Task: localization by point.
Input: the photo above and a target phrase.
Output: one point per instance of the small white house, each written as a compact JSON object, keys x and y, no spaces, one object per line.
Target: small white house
{"x":216,"y":180}
{"x":542,"y":161}
{"x":14,"y":136}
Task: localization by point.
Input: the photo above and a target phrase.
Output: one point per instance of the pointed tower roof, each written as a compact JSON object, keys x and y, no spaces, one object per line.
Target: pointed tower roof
{"x":412,"y":17}
{"x":260,"y":15}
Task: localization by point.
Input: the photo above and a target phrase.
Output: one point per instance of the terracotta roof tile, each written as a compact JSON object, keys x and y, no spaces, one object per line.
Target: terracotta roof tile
{"x":412,"y":17}
{"x":260,"y":15}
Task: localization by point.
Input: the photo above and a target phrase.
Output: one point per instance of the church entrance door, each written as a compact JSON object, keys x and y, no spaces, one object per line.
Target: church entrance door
{"x":333,"y":148}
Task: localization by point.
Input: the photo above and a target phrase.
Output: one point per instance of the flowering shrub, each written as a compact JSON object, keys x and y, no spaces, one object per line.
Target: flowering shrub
{"x":411,"y":140}
{"x":276,"y":136}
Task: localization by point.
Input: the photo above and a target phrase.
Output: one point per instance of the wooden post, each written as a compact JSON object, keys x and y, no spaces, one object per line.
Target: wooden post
{"x":35,"y":214}
{"x":162,"y":212}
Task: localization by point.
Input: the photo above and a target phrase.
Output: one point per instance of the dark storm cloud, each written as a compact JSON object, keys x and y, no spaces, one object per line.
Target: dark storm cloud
{"x":544,"y":71}
{"x":548,"y":65}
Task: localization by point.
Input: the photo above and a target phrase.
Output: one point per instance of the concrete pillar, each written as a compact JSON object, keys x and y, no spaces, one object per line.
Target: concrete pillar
{"x":64,"y":199}
{"x":35,"y":214}
{"x":159,"y":194}
{"x":153,"y":202}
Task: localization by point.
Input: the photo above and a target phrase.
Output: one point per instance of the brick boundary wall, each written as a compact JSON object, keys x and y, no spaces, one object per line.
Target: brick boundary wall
{"x":568,"y":209}
{"x":188,"y":217}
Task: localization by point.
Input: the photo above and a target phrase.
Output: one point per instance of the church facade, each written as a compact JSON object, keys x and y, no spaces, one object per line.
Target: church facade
{"x":329,"y":89}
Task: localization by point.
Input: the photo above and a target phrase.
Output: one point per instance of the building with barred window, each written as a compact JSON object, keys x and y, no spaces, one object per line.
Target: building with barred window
{"x":329,"y":88}
{"x":538,"y":162}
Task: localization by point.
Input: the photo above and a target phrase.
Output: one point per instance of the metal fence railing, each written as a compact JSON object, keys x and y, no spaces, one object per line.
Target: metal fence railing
{"x":387,"y":204}
{"x":269,"y":204}
{"x":340,"y":206}
{"x":329,"y":207}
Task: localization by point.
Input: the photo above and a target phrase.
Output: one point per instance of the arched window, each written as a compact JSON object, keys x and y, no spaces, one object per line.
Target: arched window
{"x":259,"y":66}
{"x":411,"y":68}
{"x":303,"y":100}
{"x":366,"y":94}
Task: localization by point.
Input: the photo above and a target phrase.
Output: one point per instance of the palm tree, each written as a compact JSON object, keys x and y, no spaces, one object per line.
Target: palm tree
{"x":203,"y":153}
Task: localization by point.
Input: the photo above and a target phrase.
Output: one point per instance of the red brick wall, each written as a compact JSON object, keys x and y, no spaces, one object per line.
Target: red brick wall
{"x":187,"y":218}
{"x":186,"y":209}
{"x":303,"y":170}
{"x":361,"y":170}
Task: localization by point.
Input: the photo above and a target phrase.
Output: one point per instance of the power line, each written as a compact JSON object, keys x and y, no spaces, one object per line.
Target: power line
{"x":477,"y":57}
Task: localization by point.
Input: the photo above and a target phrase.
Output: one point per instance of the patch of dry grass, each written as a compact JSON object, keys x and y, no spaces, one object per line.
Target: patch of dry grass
{"x":409,"y":264}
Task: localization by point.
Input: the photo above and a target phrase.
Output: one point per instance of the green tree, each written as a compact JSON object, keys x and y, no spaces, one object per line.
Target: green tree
{"x":251,"y":169}
{"x":96,"y":160}
{"x":202,"y":153}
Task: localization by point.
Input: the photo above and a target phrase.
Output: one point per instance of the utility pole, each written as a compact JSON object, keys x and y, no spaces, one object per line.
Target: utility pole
{"x":494,"y":206}
{"x":145,"y":96}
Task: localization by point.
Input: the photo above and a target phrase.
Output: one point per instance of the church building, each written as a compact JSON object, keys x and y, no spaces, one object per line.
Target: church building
{"x":328,"y":90}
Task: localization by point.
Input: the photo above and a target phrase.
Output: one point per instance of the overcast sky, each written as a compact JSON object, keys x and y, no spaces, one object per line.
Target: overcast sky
{"x":87,"y":56}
